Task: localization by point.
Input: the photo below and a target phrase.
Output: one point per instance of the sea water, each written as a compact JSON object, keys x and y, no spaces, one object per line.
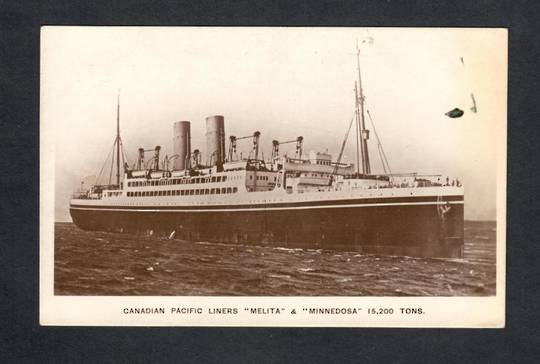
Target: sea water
{"x":100,"y":263}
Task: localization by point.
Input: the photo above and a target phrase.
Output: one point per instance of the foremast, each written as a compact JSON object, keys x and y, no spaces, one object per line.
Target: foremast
{"x":117,"y":141}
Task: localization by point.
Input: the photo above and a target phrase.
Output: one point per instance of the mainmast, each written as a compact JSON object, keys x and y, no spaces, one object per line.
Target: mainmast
{"x":364,"y":133}
{"x":118,"y":139}
{"x":357,"y":129}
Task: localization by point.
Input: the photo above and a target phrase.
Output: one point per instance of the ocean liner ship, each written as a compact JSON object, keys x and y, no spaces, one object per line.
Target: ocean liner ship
{"x":305,"y":201}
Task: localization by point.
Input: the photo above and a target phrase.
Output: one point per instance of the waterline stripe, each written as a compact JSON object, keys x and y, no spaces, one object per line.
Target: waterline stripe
{"x":265,"y":208}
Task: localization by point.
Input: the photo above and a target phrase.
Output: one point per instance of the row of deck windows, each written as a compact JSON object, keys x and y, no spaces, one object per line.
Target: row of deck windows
{"x":202,"y":191}
{"x":324,"y":163}
{"x":261,"y":178}
{"x":165,"y":182}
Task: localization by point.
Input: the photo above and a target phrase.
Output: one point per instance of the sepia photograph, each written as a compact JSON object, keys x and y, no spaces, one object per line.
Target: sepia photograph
{"x":273,"y":176}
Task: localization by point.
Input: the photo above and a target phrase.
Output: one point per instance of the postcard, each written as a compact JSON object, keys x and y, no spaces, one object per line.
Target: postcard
{"x":273,"y":176}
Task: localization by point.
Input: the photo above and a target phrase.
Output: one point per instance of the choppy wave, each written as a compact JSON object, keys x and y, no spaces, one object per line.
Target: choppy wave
{"x":99,"y":263}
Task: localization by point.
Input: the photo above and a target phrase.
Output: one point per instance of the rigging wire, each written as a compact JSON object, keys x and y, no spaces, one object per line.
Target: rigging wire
{"x":112,"y":162}
{"x":382,"y":154}
{"x":105,"y":162}
{"x":357,"y":128}
{"x":381,"y":157}
{"x":345,"y":138}
{"x":125,"y":158}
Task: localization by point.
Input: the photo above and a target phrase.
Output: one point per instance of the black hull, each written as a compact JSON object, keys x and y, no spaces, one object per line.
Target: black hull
{"x":401,"y":229}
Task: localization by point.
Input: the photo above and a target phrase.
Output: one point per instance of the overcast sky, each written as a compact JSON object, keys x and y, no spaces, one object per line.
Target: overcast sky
{"x":284,"y":82}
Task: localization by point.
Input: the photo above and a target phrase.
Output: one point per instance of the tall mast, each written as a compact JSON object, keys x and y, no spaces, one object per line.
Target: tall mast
{"x":118,"y":139}
{"x":357,"y":129}
{"x":364,"y":133}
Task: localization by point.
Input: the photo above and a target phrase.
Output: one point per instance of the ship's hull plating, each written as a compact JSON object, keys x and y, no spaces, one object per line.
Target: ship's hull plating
{"x":414,"y":226}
